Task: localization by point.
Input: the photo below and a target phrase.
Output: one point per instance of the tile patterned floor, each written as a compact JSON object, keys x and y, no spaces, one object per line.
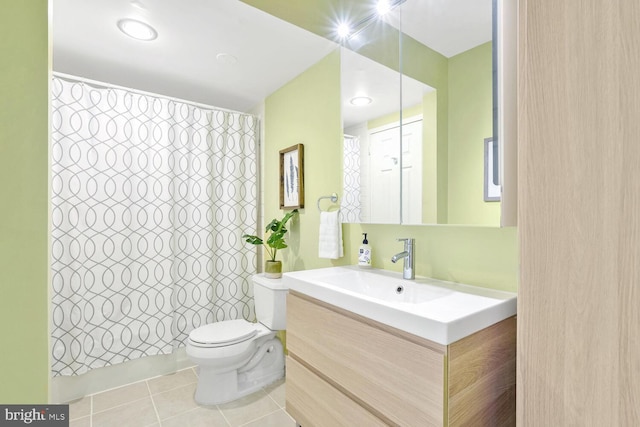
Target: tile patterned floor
{"x":167,"y":401}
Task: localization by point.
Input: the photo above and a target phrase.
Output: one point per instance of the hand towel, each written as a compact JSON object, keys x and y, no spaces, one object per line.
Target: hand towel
{"x":330,"y":236}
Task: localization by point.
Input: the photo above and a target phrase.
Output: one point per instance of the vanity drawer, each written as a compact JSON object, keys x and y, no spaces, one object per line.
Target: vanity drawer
{"x":313,"y":402}
{"x":394,"y":375}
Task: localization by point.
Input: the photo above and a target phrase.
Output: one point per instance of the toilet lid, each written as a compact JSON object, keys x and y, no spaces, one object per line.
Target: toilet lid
{"x":225,"y":333}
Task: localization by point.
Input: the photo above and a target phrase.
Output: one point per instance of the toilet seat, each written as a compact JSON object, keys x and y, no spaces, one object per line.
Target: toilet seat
{"x":222,"y":334}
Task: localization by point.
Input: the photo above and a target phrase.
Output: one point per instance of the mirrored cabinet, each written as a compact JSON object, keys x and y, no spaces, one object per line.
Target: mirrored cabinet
{"x":420,"y":115}
{"x":427,"y":105}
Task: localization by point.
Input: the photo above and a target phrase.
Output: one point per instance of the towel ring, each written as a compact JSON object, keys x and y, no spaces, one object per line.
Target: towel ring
{"x":333,"y":197}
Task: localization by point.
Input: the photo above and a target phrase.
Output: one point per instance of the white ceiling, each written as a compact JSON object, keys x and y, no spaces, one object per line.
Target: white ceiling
{"x":362,"y":76}
{"x":449,"y":27}
{"x":182,"y":62}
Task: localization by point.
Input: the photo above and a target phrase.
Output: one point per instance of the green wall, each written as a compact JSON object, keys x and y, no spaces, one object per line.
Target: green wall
{"x":462,"y":112}
{"x":24,"y":366}
{"x":470,"y":121}
{"x":304,"y":111}
{"x":424,"y":64}
{"x":481,"y":256}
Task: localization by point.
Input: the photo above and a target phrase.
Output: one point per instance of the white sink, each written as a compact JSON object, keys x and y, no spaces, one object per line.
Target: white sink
{"x":440,"y":311}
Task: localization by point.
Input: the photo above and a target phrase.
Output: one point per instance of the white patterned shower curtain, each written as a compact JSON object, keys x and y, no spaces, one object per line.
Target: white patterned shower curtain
{"x":350,"y":205}
{"x":150,"y":198}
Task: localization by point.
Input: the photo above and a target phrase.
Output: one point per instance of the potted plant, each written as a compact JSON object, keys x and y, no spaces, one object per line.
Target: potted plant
{"x":273,"y":240}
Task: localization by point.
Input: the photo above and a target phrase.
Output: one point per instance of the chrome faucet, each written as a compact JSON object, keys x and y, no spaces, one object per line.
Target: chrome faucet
{"x":408,"y":254}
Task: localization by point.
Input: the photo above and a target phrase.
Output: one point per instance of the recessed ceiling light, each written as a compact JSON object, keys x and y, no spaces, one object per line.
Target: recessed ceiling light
{"x":360,"y":101}
{"x":343,"y":30}
{"x":137,"y":29}
{"x":383,"y":7}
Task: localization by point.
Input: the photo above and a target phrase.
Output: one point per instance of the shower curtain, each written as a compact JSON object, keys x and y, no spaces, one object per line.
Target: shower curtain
{"x":350,"y":210}
{"x":150,"y":198}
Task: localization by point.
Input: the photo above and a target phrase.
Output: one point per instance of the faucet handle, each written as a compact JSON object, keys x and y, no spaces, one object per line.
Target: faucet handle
{"x":408,"y":243}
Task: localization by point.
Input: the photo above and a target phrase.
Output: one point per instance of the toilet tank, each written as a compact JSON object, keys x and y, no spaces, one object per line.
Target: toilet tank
{"x":270,"y":297}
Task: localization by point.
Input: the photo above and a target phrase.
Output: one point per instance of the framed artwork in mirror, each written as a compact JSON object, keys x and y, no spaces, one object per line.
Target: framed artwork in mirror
{"x":491,"y":171}
{"x":292,"y":177}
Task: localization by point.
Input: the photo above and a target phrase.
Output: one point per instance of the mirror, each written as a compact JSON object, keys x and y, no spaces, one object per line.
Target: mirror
{"x":416,"y":153}
{"x":383,"y":161}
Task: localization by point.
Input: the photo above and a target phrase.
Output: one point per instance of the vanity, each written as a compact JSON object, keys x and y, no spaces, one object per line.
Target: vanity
{"x":369,"y":348}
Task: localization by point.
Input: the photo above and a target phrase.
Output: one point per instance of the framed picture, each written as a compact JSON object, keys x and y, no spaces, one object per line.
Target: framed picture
{"x":491,"y":171}
{"x":292,"y":177}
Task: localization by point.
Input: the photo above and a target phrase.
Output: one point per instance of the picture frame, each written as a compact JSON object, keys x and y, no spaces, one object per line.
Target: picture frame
{"x":492,"y":188}
{"x":292,"y":177}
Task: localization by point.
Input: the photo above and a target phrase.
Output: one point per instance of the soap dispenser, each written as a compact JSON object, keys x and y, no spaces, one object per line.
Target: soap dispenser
{"x":364,"y":254}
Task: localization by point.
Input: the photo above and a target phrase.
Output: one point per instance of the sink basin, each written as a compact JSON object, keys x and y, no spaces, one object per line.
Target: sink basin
{"x":440,"y":311}
{"x":381,"y":285}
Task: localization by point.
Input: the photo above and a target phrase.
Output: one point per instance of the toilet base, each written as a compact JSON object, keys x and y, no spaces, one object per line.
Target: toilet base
{"x":265,"y":367}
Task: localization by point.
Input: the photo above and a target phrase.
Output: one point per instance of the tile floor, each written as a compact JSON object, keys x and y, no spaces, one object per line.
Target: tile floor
{"x":167,"y":401}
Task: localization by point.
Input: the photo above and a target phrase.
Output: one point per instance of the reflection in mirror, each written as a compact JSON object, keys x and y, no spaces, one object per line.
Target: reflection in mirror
{"x":380,"y":156}
{"x":422,"y":161}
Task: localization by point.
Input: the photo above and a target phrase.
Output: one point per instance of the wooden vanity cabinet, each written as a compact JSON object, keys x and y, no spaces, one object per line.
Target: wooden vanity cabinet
{"x":347,"y":370}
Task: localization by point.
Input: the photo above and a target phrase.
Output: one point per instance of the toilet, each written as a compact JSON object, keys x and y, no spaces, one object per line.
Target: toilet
{"x":237,"y":357}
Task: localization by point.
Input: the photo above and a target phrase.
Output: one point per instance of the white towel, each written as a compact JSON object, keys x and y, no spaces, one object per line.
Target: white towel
{"x":330,"y":238}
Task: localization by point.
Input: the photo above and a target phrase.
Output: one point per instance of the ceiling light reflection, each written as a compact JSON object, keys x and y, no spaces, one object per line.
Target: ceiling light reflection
{"x":137,"y":29}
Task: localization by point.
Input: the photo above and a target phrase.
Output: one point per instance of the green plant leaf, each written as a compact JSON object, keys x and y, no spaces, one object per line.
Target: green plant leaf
{"x":275,"y":238}
{"x":288,"y":216}
{"x":254,"y":240}
{"x":274,"y":225}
